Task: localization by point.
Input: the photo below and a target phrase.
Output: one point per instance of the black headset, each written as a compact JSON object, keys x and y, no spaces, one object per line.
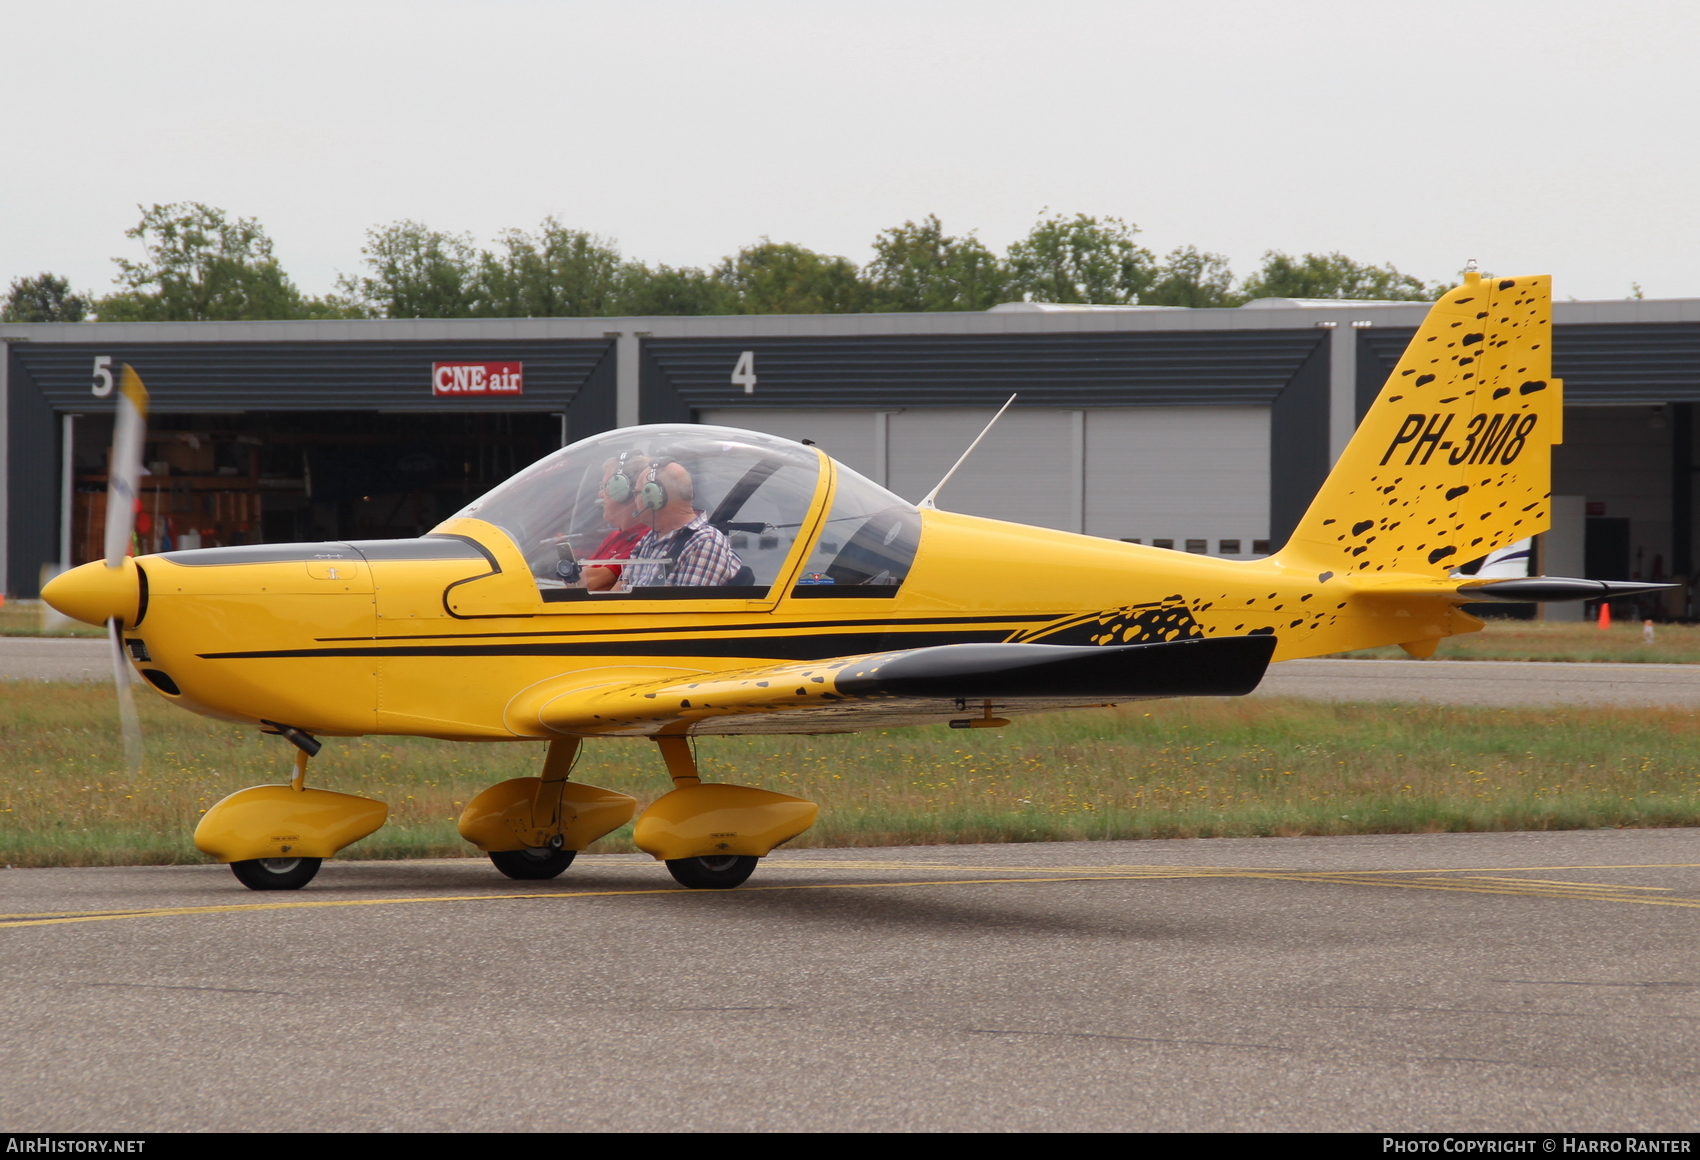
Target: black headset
{"x":620,"y":486}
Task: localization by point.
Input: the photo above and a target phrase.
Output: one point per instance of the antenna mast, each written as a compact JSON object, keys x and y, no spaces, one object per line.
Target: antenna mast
{"x":928,"y":501}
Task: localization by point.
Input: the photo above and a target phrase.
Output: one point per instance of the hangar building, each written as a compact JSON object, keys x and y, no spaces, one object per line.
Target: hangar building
{"x":1201,"y":430}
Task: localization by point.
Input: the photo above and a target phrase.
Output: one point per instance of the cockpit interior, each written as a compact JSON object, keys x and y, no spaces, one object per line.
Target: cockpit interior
{"x":681,"y":511}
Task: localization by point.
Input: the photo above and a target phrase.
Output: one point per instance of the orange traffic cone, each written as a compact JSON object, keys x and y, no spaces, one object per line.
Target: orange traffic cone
{"x":1605,"y":614}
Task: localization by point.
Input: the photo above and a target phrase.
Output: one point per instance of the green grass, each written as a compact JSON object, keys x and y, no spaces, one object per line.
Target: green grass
{"x":1199,"y":768}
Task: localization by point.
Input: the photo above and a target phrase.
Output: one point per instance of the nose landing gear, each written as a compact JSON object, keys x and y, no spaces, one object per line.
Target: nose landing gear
{"x":274,"y":837}
{"x":276,"y":873}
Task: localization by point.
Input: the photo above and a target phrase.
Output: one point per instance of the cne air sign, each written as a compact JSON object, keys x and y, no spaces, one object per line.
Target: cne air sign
{"x":478,"y":378}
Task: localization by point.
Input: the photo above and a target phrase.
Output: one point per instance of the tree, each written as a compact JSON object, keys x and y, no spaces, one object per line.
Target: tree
{"x":1190,"y":277}
{"x":782,"y":278}
{"x":201,"y":266}
{"x":560,"y":273}
{"x":669,"y":291}
{"x":1334,"y":276}
{"x":333,"y":306}
{"x":918,"y":267}
{"x":1081,"y":259}
{"x":43,"y":298}
{"x":416,"y":272}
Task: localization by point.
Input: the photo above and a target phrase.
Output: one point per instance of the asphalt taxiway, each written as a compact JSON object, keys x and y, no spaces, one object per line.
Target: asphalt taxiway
{"x":54,"y":658}
{"x":1495,"y":683}
{"x":1436,"y":982}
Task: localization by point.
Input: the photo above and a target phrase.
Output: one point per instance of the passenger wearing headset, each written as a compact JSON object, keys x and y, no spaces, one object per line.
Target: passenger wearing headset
{"x":618,"y":495}
{"x":681,"y":549}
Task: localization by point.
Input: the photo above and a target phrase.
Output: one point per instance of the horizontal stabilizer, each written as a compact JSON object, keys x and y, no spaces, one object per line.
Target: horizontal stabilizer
{"x":1551,"y":589}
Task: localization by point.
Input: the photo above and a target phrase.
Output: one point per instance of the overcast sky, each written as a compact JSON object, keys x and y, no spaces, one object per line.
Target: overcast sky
{"x":1553,"y":137}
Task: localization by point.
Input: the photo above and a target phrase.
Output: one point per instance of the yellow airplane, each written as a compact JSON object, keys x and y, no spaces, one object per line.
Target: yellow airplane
{"x":667,"y":582}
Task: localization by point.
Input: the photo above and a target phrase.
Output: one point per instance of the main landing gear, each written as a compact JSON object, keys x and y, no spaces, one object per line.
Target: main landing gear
{"x":716,"y":873}
{"x":534,"y":863}
{"x":533,"y":827}
{"x":710,"y":836}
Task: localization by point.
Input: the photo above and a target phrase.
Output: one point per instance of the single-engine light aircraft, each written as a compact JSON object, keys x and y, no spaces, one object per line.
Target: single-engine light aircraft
{"x":668,"y":582}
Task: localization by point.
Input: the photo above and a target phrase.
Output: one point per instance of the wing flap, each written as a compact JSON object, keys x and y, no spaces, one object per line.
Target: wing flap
{"x":913,"y":686}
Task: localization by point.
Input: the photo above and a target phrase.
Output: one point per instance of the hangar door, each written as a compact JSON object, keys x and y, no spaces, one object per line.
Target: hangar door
{"x":1191,"y":478}
{"x":1184,"y":474}
{"x":1027,"y":470}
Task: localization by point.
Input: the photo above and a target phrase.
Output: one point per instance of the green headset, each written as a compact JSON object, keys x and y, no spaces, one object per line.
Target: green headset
{"x":620,"y":486}
{"x":652,"y":496}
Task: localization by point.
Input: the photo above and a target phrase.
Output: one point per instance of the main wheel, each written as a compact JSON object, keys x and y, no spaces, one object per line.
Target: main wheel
{"x":532,"y":864}
{"x":721,"y":872}
{"x":276,"y":873}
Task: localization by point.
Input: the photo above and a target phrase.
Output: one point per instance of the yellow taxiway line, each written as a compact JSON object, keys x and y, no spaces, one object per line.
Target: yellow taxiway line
{"x":52,"y":919}
{"x":1414,"y":880}
{"x":837,"y":863}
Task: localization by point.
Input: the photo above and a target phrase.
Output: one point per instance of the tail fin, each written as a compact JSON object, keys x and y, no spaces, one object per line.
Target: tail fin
{"x":1454,"y":459}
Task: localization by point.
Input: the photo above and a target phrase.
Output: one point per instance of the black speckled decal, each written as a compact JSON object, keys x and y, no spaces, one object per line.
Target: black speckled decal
{"x":1215,"y":613}
{"x":1168,"y":619}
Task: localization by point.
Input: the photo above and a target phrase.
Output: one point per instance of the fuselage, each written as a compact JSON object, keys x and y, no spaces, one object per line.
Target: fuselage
{"x":439,"y":636}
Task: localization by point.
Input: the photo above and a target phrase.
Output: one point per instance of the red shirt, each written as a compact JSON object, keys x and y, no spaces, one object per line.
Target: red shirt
{"x":617,"y":546}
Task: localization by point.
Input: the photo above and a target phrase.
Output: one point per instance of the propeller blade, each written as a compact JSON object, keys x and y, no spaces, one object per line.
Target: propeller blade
{"x":129,"y":431}
{"x":128,"y":434}
{"x":129,"y":723}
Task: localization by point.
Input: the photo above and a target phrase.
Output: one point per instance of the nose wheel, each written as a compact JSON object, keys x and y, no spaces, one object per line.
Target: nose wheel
{"x":722,"y":872}
{"x":276,"y":873}
{"x":532,"y":864}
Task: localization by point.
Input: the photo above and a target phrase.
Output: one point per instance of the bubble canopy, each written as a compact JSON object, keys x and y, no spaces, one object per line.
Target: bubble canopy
{"x":677,"y":510}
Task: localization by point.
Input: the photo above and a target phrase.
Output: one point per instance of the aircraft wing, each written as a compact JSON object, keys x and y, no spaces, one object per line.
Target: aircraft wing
{"x":957,"y":682}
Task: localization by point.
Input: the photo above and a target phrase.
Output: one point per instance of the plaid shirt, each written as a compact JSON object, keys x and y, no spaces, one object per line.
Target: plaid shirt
{"x":701,"y":558}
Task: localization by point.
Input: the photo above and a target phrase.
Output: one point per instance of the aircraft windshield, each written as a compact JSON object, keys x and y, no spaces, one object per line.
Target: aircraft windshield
{"x":866,"y":544}
{"x":658,"y":511}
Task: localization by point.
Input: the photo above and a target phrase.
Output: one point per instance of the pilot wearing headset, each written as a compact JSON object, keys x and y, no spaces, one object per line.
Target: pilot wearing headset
{"x":618,"y":496}
{"x":681,"y":548}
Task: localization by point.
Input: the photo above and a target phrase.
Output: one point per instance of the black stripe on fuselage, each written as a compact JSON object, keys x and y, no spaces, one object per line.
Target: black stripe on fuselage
{"x":753,"y":626}
{"x":820,"y":646}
